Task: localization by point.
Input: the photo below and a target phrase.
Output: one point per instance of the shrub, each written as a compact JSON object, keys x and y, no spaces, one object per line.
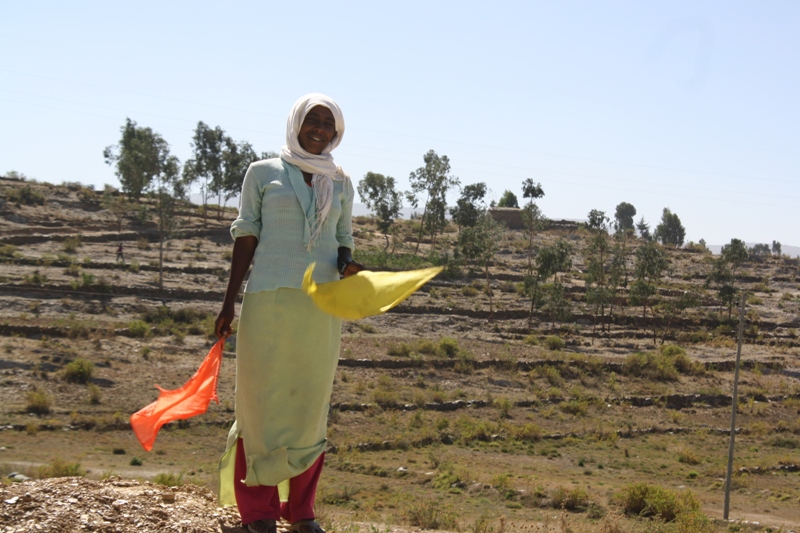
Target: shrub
{"x":135,"y":461}
{"x":572,"y":500}
{"x":39,"y":402}
{"x":73,"y":270}
{"x":554,"y":342}
{"x":575,"y":407}
{"x":644,"y":500}
{"x":783,"y":442}
{"x":71,"y":244}
{"x":94,"y":394}
{"x":139,"y":328}
{"x":688,"y":457}
{"x":59,"y":468}
{"x":36,"y":278}
{"x":552,"y":375}
{"x":429,"y":515}
{"x":168,"y":479}
{"x":133,"y":267}
{"x":27,"y":195}
{"x":78,"y":371}
{"x":469,"y":291}
{"x":142,"y":244}
{"x":448,"y":347}
{"x":504,"y":406}
{"x":400,"y":350}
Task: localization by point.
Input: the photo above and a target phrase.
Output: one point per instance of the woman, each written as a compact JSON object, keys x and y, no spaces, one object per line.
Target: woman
{"x":294,"y":210}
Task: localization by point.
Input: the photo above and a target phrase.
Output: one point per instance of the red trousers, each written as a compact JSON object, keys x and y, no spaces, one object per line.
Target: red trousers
{"x":261,"y":502}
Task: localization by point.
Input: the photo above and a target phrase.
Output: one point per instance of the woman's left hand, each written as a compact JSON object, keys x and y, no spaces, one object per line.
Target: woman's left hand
{"x":353,"y":268}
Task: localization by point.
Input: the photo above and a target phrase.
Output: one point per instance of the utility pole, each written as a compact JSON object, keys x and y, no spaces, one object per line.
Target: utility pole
{"x":734,"y":405}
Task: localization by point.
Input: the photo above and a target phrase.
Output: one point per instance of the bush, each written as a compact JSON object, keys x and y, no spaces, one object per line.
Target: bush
{"x":60,"y":468}
{"x":645,"y":500}
{"x":552,"y":375}
{"x":71,"y":244}
{"x":168,"y":479}
{"x":400,"y":350}
{"x":554,"y":342}
{"x":572,"y":500}
{"x":27,"y":195}
{"x":94,"y":394}
{"x":651,"y":366}
{"x":469,"y":291}
{"x":39,"y":402}
{"x":429,"y":515}
{"x":448,"y":347}
{"x":139,"y":328}
{"x":78,"y":371}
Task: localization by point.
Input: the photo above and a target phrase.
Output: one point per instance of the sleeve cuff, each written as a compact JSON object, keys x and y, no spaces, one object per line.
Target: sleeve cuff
{"x":244,"y":228}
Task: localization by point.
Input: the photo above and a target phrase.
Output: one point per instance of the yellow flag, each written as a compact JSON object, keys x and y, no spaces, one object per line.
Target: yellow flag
{"x":365,"y":293}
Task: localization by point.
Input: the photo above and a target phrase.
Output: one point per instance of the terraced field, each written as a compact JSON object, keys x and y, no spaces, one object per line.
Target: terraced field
{"x":447,"y":414}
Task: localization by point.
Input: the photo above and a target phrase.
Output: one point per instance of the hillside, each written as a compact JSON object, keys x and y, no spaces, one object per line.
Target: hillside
{"x":447,"y":414}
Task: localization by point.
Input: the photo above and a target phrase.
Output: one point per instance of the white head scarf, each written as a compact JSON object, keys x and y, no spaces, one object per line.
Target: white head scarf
{"x":322,"y":167}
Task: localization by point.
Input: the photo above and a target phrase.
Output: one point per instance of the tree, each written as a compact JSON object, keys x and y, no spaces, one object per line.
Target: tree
{"x":380,"y":196}
{"x":723,"y":272}
{"x":759,"y":250}
{"x":140,"y":156}
{"x":117,"y":204}
{"x":650,"y":265}
{"x":236,"y":159}
{"x":469,"y":206}
{"x":597,"y":220}
{"x":434,"y":180}
{"x":479,"y":244}
{"x":167,"y":189}
{"x":623,"y":216}
{"x":509,"y":199}
{"x":670,"y":231}
{"x":734,"y":254}
{"x":207,"y":164}
{"x":532,"y":216}
{"x":776,"y":248}
{"x":550,"y":260}
{"x":644,"y":229}
{"x":598,"y":294}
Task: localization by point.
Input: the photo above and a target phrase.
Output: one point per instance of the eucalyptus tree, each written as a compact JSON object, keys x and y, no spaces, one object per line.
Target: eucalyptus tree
{"x":532,"y":216}
{"x":550,"y":260}
{"x":139,"y":157}
{"x":433,"y":181}
{"x":598,"y":293}
{"x":207,"y":164}
{"x":479,"y":243}
{"x":379,"y":194}
{"x":469,"y":206}
{"x":236,"y":159}
{"x":651,"y":262}
{"x":723,"y":272}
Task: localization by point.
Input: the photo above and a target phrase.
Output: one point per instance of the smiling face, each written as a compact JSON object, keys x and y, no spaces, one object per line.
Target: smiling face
{"x":318,"y":130}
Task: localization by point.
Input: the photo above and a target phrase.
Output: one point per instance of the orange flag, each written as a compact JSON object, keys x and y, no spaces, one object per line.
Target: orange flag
{"x":190,"y":400}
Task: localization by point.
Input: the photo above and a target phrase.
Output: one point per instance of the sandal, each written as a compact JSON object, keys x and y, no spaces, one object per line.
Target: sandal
{"x":306,"y":526}
{"x":262,"y":526}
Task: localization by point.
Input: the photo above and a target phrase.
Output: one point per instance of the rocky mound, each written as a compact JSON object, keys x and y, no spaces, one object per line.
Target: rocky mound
{"x":66,"y":505}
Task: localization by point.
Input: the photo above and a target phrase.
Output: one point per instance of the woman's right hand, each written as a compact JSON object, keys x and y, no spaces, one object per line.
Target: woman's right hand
{"x":222,"y":326}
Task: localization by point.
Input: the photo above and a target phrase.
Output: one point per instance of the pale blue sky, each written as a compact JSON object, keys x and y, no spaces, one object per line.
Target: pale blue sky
{"x":693,"y":105}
